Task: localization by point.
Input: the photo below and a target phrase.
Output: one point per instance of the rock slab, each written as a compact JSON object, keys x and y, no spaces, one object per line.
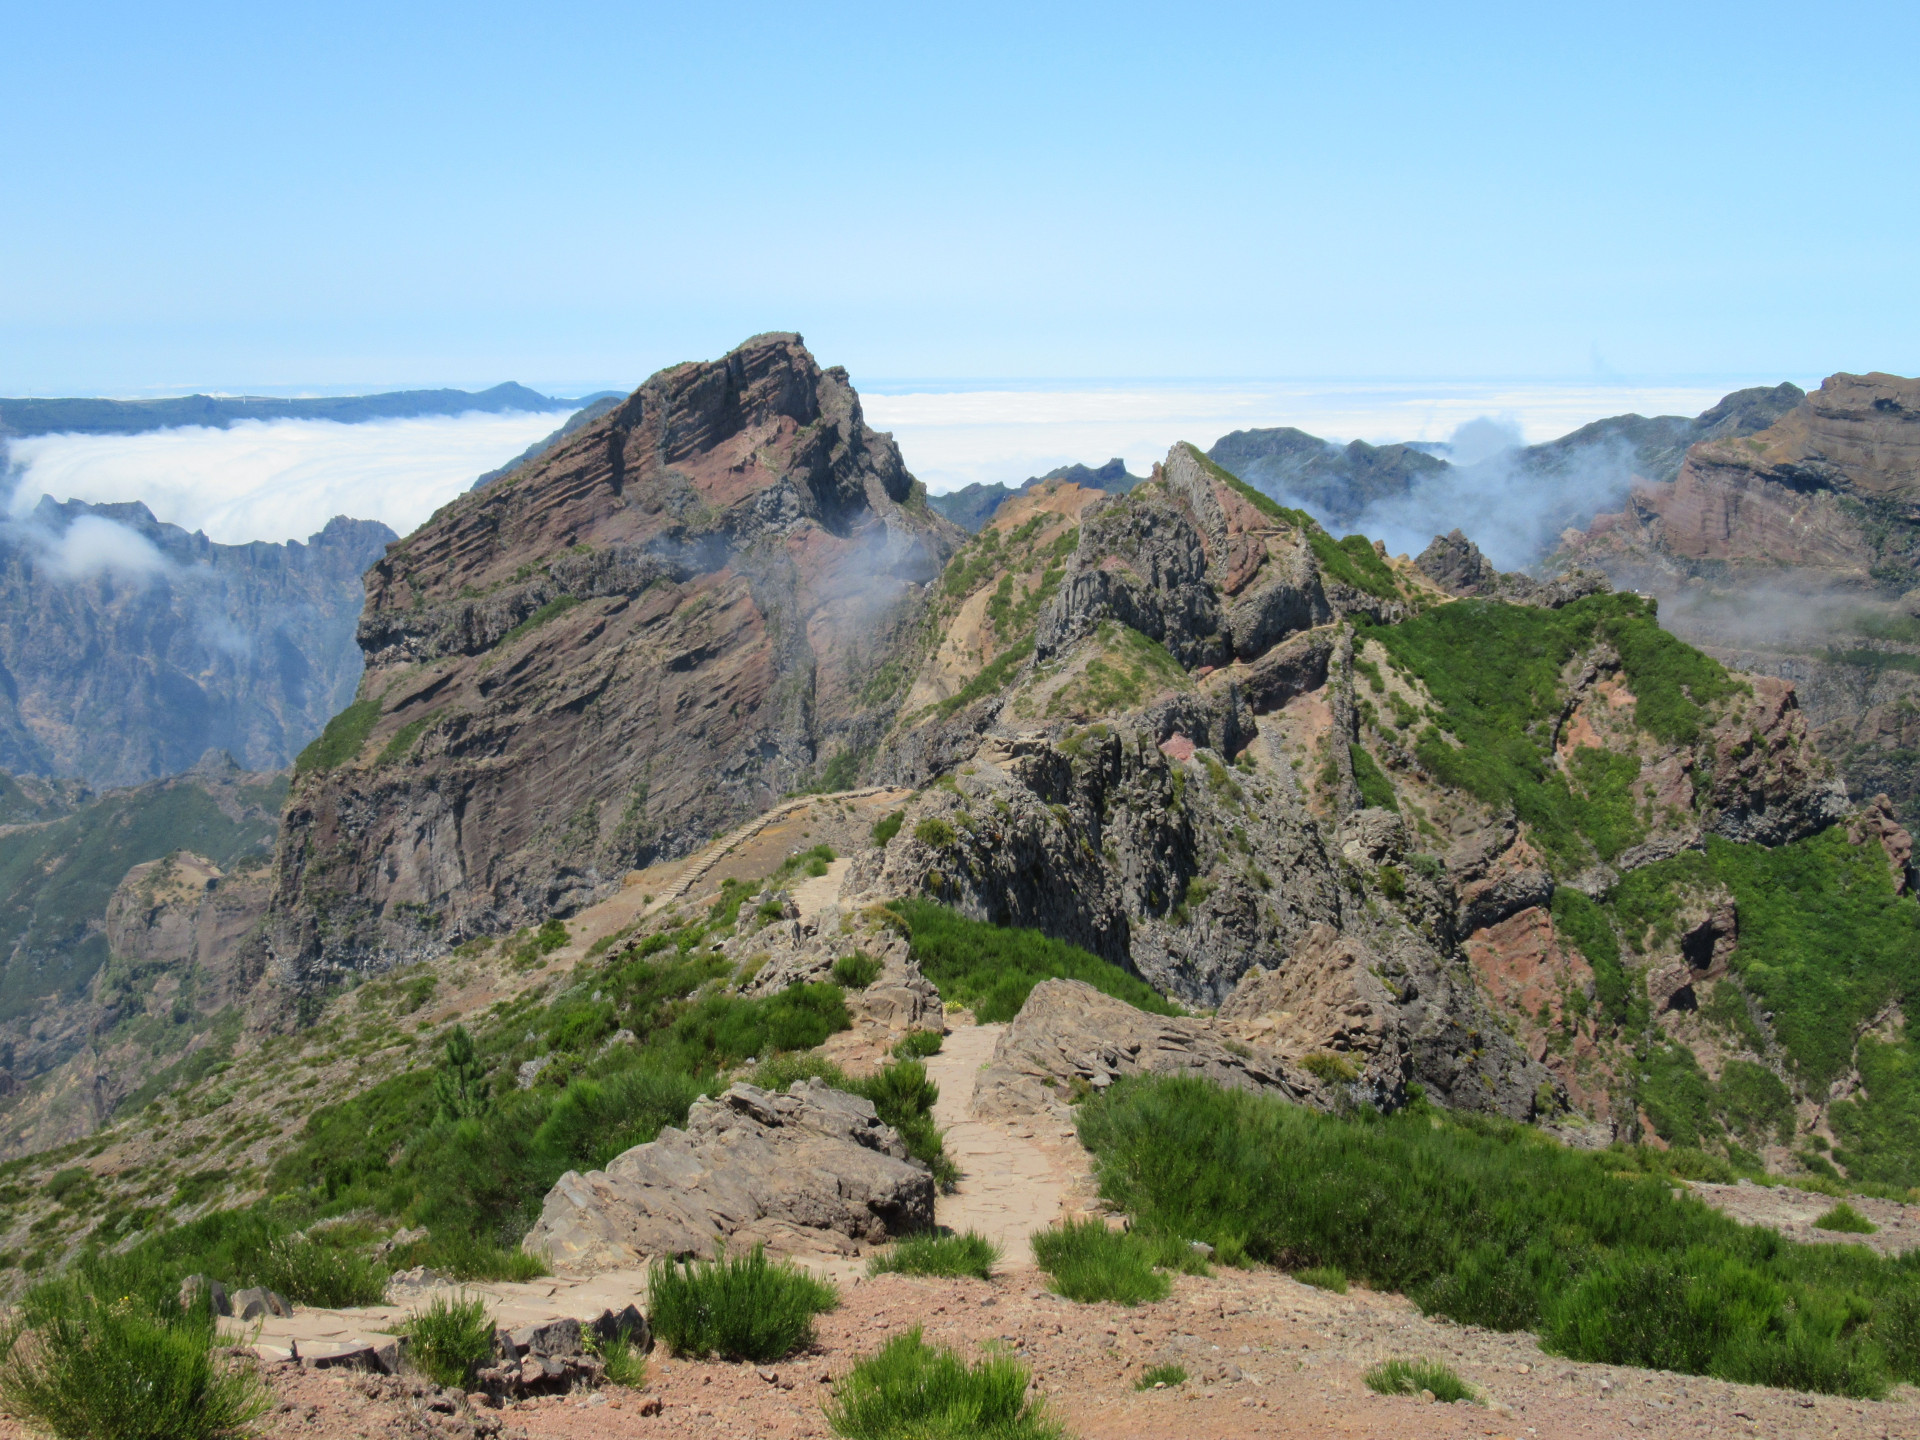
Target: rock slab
{"x":811,"y":1170}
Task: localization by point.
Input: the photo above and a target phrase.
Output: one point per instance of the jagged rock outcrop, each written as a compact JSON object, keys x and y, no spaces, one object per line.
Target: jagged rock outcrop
{"x":811,"y":1170}
{"x":129,"y":647}
{"x":1069,"y":1038}
{"x":1455,"y":564}
{"x":657,"y":628}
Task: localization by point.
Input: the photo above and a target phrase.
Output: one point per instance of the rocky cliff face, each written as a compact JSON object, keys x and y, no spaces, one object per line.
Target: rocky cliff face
{"x":677,"y":615}
{"x":1795,"y":552}
{"x":129,"y":648}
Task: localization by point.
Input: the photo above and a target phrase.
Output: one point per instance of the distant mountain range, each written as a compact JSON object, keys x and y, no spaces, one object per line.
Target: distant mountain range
{"x":87,"y":416}
{"x":128,"y":647}
{"x":972,"y":507}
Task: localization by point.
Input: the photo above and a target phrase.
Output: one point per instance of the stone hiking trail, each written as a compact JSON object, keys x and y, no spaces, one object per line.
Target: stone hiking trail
{"x":1016,"y":1176}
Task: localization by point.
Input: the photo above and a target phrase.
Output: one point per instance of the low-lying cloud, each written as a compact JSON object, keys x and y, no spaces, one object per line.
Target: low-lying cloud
{"x":1513,"y":511}
{"x":952,"y":438}
{"x":267,"y":480}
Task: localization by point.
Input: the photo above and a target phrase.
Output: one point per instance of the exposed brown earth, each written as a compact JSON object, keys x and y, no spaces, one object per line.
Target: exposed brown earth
{"x":1265,"y":1356}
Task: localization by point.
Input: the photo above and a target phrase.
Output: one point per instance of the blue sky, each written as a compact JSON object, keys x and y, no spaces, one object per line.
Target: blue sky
{"x":573,"y":195}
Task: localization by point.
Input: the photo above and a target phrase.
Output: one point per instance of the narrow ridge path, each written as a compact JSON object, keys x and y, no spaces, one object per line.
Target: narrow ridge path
{"x":1010,"y":1184}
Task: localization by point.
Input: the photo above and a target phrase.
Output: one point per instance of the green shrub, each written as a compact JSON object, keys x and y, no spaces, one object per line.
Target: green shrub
{"x":919,"y":1044}
{"x":309,"y":1272}
{"x":991,"y":969}
{"x":595,"y":1120}
{"x":1089,"y":1262}
{"x":1494,"y":672}
{"x":626,"y":1362}
{"x":342,"y":739}
{"x":117,"y":1366}
{"x":1492,"y":1224}
{"x":904,"y":1098}
{"x":1847,"y":1220}
{"x":856,"y":971}
{"x":1167,"y":1375}
{"x":1376,"y":791}
{"x":739,"y":1308}
{"x":1330,"y":1069}
{"x":449,"y":1339}
{"x":1410,"y":1377}
{"x":888,"y":826}
{"x":909,"y":1390}
{"x":934,"y":1254}
{"x":1323,"y":1277}
{"x":935,"y":832}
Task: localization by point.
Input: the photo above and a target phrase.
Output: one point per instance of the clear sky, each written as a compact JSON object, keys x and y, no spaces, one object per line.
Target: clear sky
{"x":571,"y":195}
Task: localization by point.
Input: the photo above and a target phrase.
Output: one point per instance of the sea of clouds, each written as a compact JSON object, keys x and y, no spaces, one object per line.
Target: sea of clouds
{"x":284,"y":479}
{"x":276,"y":479}
{"x":954,"y":437}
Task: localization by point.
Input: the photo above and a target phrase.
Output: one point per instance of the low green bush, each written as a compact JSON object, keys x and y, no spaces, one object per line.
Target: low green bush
{"x":856,"y":971}
{"x":991,"y":969}
{"x":935,"y":1254}
{"x":919,"y":1044}
{"x":909,"y":1390}
{"x":888,"y":827}
{"x":738,"y":1307}
{"x":1847,"y":1220}
{"x":449,"y":1339}
{"x":86,"y":1360}
{"x":1323,"y":1277}
{"x":1167,"y":1375}
{"x":1410,"y":1377}
{"x":904,"y":1097}
{"x":1090,"y":1262}
{"x":1491,"y":1223}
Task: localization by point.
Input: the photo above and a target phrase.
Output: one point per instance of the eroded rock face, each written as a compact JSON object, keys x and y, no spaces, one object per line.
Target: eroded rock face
{"x":811,"y":1170}
{"x":1069,"y":1037}
{"x":654,"y":630}
{"x":1328,"y":998}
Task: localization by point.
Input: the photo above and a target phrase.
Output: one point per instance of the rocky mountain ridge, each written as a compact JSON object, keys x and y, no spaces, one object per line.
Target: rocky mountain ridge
{"x":1398,"y":821}
{"x":678,"y":615}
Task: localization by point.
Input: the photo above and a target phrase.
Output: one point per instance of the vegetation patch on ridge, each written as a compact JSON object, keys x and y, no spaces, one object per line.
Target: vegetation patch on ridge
{"x":1490,"y":1223}
{"x":991,"y":969}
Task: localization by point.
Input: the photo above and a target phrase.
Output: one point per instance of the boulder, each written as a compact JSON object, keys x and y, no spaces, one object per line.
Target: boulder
{"x":1069,"y":1035}
{"x":257,"y":1301}
{"x":1326,"y":998}
{"x":813,"y":1169}
{"x":549,"y":1337}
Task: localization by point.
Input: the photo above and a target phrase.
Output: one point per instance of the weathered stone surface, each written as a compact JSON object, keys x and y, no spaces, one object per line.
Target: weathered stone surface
{"x":256,"y":1301}
{"x":1455,"y":564}
{"x":1068,"y":1032}
{"x":1327,"y":998}
{"x":813,"y":1169}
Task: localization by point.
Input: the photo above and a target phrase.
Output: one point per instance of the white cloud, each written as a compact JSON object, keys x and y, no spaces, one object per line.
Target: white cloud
{"x":277,"y":479}
{"x":92,"y":544}
{"x":953,"y":438}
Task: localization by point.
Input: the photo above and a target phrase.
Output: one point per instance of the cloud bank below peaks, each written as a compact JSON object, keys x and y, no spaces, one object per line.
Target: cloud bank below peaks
{"x":270,"y":480}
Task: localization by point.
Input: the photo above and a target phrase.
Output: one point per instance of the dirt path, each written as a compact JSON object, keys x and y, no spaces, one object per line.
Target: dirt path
{"x":815,"y":893}
{"x":1017,"y":1176}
